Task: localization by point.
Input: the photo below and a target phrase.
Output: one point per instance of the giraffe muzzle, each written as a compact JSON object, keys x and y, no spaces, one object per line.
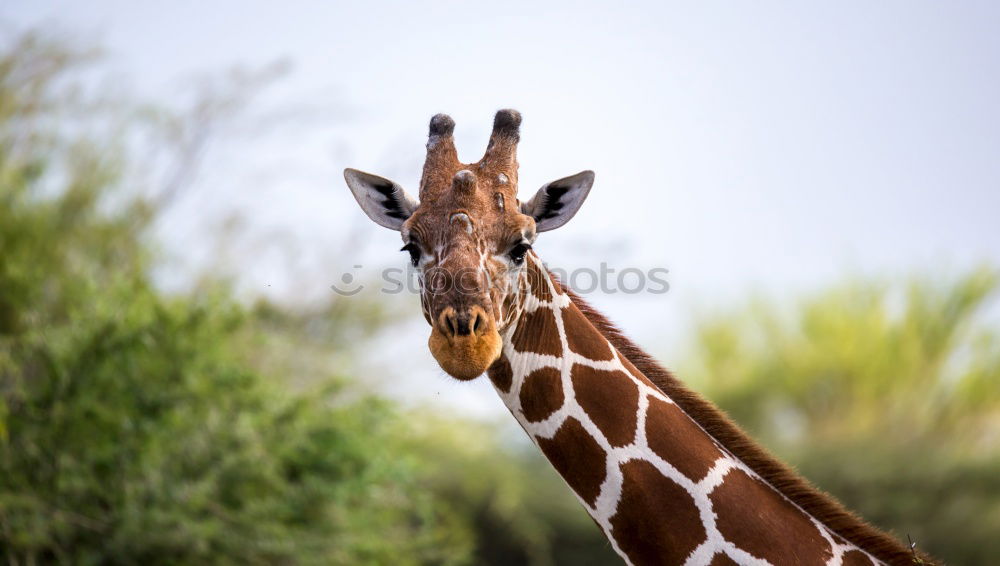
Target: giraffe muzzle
{"x":465,"y":343}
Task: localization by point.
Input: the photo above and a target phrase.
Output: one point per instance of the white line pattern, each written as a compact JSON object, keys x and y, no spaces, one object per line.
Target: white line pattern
{"x":606,"y":504}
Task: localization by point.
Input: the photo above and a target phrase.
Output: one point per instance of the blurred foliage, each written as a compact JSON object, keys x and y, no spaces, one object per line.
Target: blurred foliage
{"x":132,"y":429}
{"x":141,"y":427}
{"x":518,"y":506}
{"x":887,"y":396}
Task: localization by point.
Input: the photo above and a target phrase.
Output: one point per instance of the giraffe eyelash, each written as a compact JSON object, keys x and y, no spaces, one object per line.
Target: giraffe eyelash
{"x":414,"y":251}
{"x":517,"y":253}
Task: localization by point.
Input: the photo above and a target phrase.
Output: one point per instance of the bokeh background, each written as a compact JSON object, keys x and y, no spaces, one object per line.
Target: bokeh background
{"x":179,"y":383}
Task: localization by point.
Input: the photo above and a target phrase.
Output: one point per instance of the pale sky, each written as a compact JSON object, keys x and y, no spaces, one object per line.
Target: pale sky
{"x":743,"y":146}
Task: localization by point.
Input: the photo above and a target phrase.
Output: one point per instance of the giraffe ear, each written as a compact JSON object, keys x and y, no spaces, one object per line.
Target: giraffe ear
{"x":555,"y":203}
{"x":384,"y":201}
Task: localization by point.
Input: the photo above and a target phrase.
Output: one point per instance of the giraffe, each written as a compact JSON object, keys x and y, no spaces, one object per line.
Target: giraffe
{"x":667,"y":477}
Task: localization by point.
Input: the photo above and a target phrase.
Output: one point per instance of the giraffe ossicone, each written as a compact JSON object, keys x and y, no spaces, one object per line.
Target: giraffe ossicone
{"x":664,"y":474}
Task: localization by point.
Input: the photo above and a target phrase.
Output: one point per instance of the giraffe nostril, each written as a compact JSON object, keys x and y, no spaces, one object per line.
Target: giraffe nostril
{"x":477,"y":323}
{"x":455,"y":324}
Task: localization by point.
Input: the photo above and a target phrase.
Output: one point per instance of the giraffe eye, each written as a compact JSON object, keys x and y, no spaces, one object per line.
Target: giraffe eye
{"x":414,"y":251}
{"x":518,"y":251}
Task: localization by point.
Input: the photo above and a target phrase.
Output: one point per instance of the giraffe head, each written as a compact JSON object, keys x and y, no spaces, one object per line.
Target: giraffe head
{"x":467,"y":235}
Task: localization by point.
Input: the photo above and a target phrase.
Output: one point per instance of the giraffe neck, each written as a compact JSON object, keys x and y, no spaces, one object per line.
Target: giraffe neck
{"x":659,"y":484}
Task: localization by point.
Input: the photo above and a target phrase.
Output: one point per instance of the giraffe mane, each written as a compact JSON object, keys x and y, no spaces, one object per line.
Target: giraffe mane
{"x":820,"y":505}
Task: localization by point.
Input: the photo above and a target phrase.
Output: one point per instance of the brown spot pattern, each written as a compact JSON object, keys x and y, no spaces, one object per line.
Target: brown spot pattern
{"x":856,"y":558}
{"x":582,"y":337}
{"x":673,"y":436}
{"x":750,"y":512}
{"x":501,"y":374}
{"x":657,"y":520}
{"x":723,"y":560}
{"x":539,"y":285}
{"x":610,"y":399}
{"x":541,"y":394}
{"x":537,"y":332}
{"x":510,"y":303}
{"x":578,"y":459}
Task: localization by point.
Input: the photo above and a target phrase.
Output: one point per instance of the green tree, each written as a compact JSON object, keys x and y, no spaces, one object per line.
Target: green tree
{"x":520,"y":509}
{"x":887,"y":396}
{"x":134,"y":428}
